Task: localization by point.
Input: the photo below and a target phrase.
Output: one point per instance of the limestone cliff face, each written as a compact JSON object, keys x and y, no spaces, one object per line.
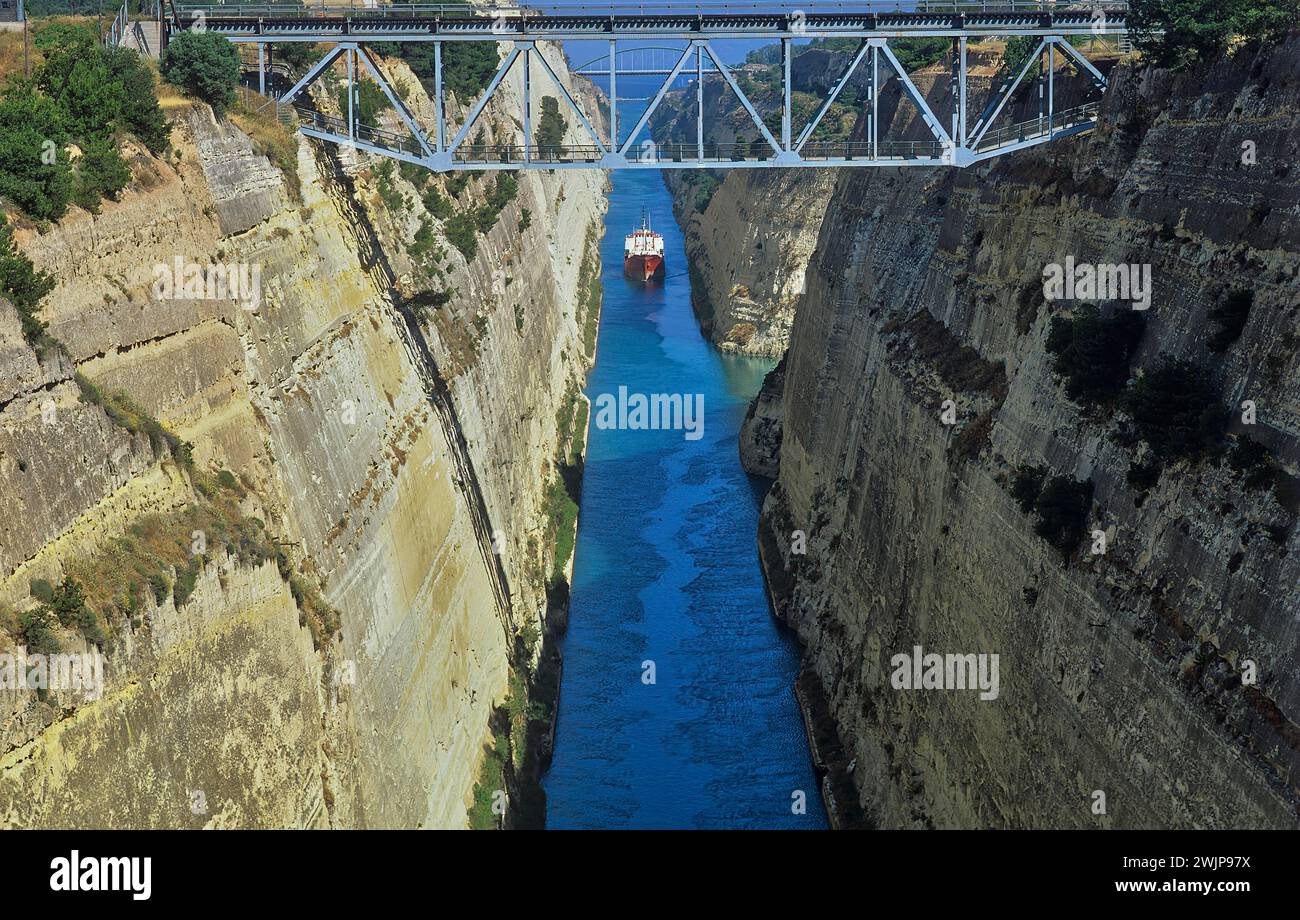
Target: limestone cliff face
{"x":398,"y":454}
{"x":760,"y":433}
{"x":748,"y":251}
{"x":1120,"y":672}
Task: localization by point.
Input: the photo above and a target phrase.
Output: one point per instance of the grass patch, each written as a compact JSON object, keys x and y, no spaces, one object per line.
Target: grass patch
{"x":491,"y":780}
{"x":162,"y":555}
{"x":590,"y":293}
{"x":271,"y":139}
{"x":561,"y":512}
{"x":126,"y":413}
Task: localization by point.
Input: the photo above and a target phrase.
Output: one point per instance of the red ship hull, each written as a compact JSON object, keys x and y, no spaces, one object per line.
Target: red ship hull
{"x":643,"y":268}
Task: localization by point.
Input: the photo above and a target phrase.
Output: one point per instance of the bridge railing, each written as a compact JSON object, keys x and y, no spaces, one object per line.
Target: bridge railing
{"x":361,"y":8}
{"x":117,"y":28}
{"x":1039,"y":127}
{"x":402,"y":142}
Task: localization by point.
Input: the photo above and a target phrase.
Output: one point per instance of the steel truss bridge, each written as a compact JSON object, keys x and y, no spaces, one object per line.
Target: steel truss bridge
{"x":348,"y":26}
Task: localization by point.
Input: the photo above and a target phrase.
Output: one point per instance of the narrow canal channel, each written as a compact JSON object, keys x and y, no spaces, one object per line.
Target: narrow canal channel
{"x":667,"y":573}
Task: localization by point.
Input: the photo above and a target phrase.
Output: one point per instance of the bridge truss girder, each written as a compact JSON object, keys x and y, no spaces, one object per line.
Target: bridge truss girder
{"x":953,"y":145}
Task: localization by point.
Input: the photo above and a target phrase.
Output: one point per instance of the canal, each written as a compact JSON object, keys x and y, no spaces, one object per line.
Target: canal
{"x":676,"y":706}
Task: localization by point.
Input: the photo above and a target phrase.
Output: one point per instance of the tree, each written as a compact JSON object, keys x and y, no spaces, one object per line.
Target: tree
{"x":34,"y":170}
{"x":37,"y":632}
{"x":139,"y":111}
{"x":101,"y":172}
{"x":1175,"y":410}
{"x":23,"y":285}
{"x":73,"y":77}
{"x":205,"y":65}
{"x":550,"y":129}
{"x":300,"y":56}
{"x":1092,"y":352}
{"x":1062,"y":509}
{"x":1181,"y":33}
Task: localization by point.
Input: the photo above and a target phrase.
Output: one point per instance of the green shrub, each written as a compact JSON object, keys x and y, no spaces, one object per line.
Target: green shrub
{"x":460,"y":230}
{"x":491,"y":778}
{"x":34,"y":170}
{"x":1175,"y":410}
{"x":1062,"y":510}
{"x":59,"y":33}
{"x":425,"y":242}
{"x":703,"y":186}
{"x":205,"y":65}
{"x":101,"y":173}
{"x":562,"y":516}
{"x":525,"y":219}
{"x":1026,"y":484}
{"x":1093,"y":353}
{"x":467,"y":67}
{"x":42,"y":590}
{"x":298,"y":55}
{"x":67,"y":600}
{"x":1018,"y":48}
{"x":916,"y":53}
{"x":24,"y":287}
{"x":549,"y":135}
{"x":139,"y":111}
{"x":1230,"y":316}
{"x":185,"y":581}
{"x":502,"y":192}
{"x":37,"y":632}
{"x":1253,"y":461}
{"x":68,"y":604}
{"x":1143,"y":477}
{"x":457,"y":182}
{"x":81,"y":93}
{"x":436,"y":203}
{"x":160,"y":586}
{"x":367,"y":104}
{"x":101,"y":90}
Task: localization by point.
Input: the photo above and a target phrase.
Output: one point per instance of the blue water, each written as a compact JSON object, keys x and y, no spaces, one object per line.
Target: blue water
{"x":667,"y":571}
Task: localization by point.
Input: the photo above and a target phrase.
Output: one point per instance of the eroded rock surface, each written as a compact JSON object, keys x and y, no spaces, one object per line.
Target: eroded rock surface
{"x":1120,"y":672}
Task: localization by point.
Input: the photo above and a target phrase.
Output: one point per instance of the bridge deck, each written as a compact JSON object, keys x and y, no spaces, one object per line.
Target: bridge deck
{"x":345,"y":20}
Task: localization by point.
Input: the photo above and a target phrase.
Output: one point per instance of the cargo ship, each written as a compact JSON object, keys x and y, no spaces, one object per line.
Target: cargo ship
{"x":643,"y":253}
